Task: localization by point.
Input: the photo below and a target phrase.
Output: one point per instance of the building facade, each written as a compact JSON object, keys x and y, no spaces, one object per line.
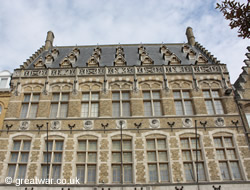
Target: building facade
{"x":132,"y":116}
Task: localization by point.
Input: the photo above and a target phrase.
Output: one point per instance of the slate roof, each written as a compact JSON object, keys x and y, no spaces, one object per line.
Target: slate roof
{"x":131,"y":53}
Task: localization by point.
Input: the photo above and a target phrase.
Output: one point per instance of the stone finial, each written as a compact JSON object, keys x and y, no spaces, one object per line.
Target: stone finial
{"x":190,"y":36}
{"x":49,"y":40}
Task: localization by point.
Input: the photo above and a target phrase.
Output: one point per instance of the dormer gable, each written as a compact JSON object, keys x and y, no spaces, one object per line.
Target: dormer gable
{"x":141,"y":49}
{"x":167,"y":54}
{"x":92,"y":62}
{"x":72,"y":57}
{"x":49,"y":59}
{"x":201,"y":59}
{"x":66,"y":63}
{"x":174,"y":60}
{"x":185,"y":49}
{"x":39,"y":64}
{"x":76,"y":51}
{"x":191,"y":54}
{"x":120,"y":60}
{"x":98,"y":50}
{"x":119,"y":51}
{"x":163,"y":49}
{"x":145,"y":59}
{"x":55,"y":53}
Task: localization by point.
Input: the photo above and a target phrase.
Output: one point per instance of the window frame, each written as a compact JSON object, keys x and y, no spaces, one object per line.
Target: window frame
{"x":182,"y":99}
{"x":29,"y":104}
{"x":121,"y":101}
{"x":90,"y":102}
{"x":213,"y":99}
{"x":59,"y":104}
{"x":152,"y":100}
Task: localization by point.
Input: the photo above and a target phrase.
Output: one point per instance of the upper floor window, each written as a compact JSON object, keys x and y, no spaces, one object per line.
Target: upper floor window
{"x":248,"y":119}
{"x":86,"y":161}
{"x":121,"y":104}
{"x":183,"y":103}
{"x":59,"y":105}
{"x":227,"y":157}
{"x":189,"y":156}
{"x":158,"y":166}
{"x":0,"y":109}
{"x":30,"y":105}
{"x":122,"y":163}
{"x":152,"y":103}
{"x":90,"y":104}
{"x":52,"y":161}
{"x":3,"y":82}
{"x":19,"y":157}
{"x":213,"y":102}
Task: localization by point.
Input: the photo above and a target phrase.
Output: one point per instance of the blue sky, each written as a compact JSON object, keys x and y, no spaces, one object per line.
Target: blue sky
{"x":24,"y":25}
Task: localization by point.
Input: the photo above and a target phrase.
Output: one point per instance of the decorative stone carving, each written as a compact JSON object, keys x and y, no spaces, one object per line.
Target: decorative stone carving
{"x":187,"y":122}
{"x":55,"y":125}
{"x":201,"y":60}
{"x":93,"y":62}
{"x":145,"y":59}
{"x":76,"y":51}
{"x":141,"y":49}
{"x":174,"y":60}
{"x":55,"y":53}
{"x":49,"y":59}
{"x":72,"y":58}
{"x":191,"y":54}
{"x":40,"y":64}
{"x":219,"y":122}
{"x":185,"y":48}
{"x":154,"y":123}
{"x":119,"y":60}
{"x":88,"y":124}
{"x":24,"y":125}
{"x":66,"y":63}
{"x":121,"y":123}
{"x":163,"y":49}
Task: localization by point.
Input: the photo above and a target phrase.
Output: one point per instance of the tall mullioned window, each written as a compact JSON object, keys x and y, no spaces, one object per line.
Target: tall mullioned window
{"x":183,"y":103}
{"x":189,"y":153}
{"x":227,"y":157}
{"x":121,"y":104}
{"x":19,"y":157}
{"x":86,"y":161}
{"x":152,"y":103}
{"x":52,"y":160}
{"x":59,"y":105}
{"x":90,"y":104}
{"x":213,"y":102}
{"x":157,"y":159}
{"x":122,"y":162}
{"x":30,"y":105}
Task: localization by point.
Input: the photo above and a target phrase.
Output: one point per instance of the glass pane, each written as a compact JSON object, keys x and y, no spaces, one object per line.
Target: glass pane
{"x":91,"y":157}
{"x":186,"y":94}
{"x":57,"y":157}
{"x":45,"y":170}
{"x":65,"y":97}
{"x":80,"y":173}
{"x":147,"y":109}
{"x":26,"y":98}
{"x":95,"y":96}
{"x":215,"y":93}
{"x":59,"y":145}
{"x":16,"y":145}
{"x":156,"y":95}
{"x":116,"y":157}
{"x":189,"y":108}
{"x":164,"y":172}
{"x":224,"y":171}
{"x":35,"y":97}
{"x":235,"y":170}
{"x":198,"y":156}
{"x":92,"y":145}
{"x":228,"y":142}
{"x":26,"y":145}
{"x":3,"y":82}
{"x":21,"y":172}
{"x":186,"y":155}
{"x":91,"y":174}
{"x":231,"y":154}
{"x":177,"y":95}
{"x":184,"y":143}
{"x":248,"y":119}
{"x":146,"y":95}
{"x":81,"y":157}
{"x":116,"y":170}
{"x":14,"y":157}
{"x":94,"y":109}
{"x":220,"y":154}
{"x":161,"y":143}
{"x":206,"y":94}
{"x":209,"y":106}
{"x":189,"y":173}
{"x":11,"y":171}
{"x":50,"y":144}
{"x":85,"y":96}
{"x":53,"y":110}
{"x":125,"y":109}
{"x":116,"y":145}
{"x":201,"y":172}
{"x":33,"y":110}
{"x":193,"y":141}
{"x":115,"y":96}
{"x":116,"y":109}
{"x":127,"y":157}
{"x":150,"y":144}
{"x":24,"y":110}
{"x":178,"y":108}
{"x":217,"y":142}
{"x":45,"y":157}
{"x":125,"y":95}
{"x":64,"y":110}
{"x":56,"y":171}
{"x":85,"y":110}
{"x":24,"y":157}
{"x":157,"y":109}
{"x":127,"y":145}
{"x":218,"y":107}
{"x":82,"y":145}
{"x":163,"y":156}
{"x":151,"y":156}
{"x":127,"y":173}
{"x":55,"y":97}
{"x":153,"y":177}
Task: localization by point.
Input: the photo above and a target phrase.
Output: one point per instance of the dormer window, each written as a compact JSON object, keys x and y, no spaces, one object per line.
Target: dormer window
{"x":191,"y":54}
{"x":76,"y":51}
{"x":40,"y":64}
{"x":72,"y":58}
{"x":201,"y":60}
{"x":66,"y":63}
{"x":141,"y":49}
{"x":185,"y":49}
{"x":55,"y":53}
{"x":163,"y":49}
{"x":93,"y":62}
{"x":174,"y":60}
{"x":49,"y":59}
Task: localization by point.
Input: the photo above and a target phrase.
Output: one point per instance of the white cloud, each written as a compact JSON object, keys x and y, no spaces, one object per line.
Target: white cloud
{"x":24,"y":25}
